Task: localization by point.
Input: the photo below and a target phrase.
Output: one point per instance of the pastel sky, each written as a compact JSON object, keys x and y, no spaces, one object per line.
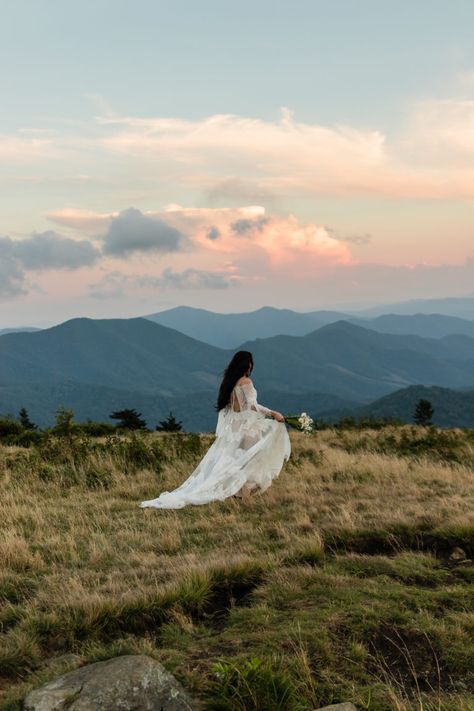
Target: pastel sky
{"x":303,"y":154}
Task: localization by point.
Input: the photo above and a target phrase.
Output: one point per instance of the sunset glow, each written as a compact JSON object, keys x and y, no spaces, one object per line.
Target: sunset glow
{"x":159,"y":175}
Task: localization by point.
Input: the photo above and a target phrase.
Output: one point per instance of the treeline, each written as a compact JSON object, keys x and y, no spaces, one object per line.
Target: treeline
{"x":23,"y":431}
{"x":422,"y":415}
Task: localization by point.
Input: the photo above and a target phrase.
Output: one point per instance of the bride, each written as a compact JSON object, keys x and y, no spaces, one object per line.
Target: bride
{"x":249,"y":450}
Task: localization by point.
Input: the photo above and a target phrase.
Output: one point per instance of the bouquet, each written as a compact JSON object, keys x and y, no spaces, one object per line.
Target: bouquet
{"x":303,"y":423}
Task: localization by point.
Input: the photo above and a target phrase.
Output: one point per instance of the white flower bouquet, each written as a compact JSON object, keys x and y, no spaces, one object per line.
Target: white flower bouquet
{"x":303,"y":423}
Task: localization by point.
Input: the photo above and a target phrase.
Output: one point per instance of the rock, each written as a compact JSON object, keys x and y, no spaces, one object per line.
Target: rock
{"x":131,"y":682}
{"x":345,"y":706}
{"x":458,"y":557}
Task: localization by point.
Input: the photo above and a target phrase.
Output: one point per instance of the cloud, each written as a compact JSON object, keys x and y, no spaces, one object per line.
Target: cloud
{"x":133,"y":231}
{"x":442,"y":130}
{"x":20,"y":149}
{"x":49,"y":250}
{"x":12,"y":277}
{"x":116,"y":284}
{"x":229,"y":156}
{"x":213,"y":233}
{"x":219,"y":231}
{"x":353,"y":239}
{"x":40,"y":252}
{"x":236,"y":191}
{"x":193,"y":279}
{"x":244,"y":225}
{"x":231,"y":159}
{"x":82,"y":219}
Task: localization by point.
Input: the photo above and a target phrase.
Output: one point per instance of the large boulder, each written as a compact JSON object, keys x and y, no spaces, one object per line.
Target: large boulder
{"x":128,"y":683}
{"x":345,"y":706}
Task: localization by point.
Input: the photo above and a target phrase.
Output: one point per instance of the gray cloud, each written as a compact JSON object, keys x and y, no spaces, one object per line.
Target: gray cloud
{"x":213,"y":233}
{"x":115,"y":284}
{"x":353,"y":239}
{"x":189,"y":279}
{"x":245,"y":225}
{"x":234,"y":191}
{"x":41,"y":251}
{"x":11,"y":275}
{"x":132,"y":231}
{"x":49,"y":250}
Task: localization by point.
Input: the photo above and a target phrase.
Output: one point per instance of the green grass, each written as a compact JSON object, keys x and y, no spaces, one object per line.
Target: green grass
{"x":335,"y":585}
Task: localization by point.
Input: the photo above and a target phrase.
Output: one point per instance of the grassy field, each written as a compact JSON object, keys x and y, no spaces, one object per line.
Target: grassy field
{"x":339,"y":583}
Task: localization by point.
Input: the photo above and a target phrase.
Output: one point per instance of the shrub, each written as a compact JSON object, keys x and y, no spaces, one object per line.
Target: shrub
{"x":252,"y":685}
{"x":29,"y":438}
{"x":64,"y":422}
{"x":9,"y":426}
{"x":96,"y":429}
{"x":364,"y":423}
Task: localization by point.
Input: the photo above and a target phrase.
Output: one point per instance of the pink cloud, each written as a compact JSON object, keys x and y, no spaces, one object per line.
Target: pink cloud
{"x":292,"y":157}
{"x":283,"y":242}
{"x":16,"y":148}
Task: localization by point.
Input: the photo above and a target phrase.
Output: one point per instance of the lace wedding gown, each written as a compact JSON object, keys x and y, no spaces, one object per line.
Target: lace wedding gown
{"x":250,"y":448}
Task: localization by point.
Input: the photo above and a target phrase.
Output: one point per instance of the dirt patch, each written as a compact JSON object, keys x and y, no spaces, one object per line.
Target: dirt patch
{"x":409,"y":659}
{"x":392,"y":541}
{"x":224,"y":597}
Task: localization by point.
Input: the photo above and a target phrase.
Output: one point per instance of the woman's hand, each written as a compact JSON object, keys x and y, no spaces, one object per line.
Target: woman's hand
{"x":278,"y":416}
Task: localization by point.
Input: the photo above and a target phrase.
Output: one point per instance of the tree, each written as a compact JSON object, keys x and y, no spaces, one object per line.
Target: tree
{"x":424,"y":412}
{"x":26,"y":423}
{"x":171,"y":424}
{"x":64,"y":422}
{"x":129,"y":419}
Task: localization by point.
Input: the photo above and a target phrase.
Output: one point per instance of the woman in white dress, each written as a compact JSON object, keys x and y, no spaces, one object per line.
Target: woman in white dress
{"x":250,"y":448}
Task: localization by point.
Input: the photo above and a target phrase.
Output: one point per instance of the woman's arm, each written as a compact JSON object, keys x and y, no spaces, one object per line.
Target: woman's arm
{"x":251,"y":398}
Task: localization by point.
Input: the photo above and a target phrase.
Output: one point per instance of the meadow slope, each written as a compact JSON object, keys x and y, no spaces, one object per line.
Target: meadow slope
{"x":341,"y":582}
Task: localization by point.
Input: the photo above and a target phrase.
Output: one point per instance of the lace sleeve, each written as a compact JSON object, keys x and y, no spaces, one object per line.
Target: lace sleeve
{"x":251,"y":400}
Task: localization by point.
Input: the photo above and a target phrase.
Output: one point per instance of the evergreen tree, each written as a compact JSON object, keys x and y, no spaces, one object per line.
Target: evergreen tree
{"x":26,"y":423}
{"x":424,"y":412}
{"x":129,"y":419}
{"x":171,"y":424}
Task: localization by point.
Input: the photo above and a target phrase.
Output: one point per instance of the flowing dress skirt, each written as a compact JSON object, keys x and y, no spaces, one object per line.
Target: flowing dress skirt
{"x":249,"y":448}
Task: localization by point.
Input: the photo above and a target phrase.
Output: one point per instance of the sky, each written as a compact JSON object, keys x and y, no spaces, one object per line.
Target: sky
{"x":297,"y":154}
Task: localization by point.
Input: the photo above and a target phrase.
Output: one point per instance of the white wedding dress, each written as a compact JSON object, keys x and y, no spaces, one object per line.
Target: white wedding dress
{"x":250,"y":448}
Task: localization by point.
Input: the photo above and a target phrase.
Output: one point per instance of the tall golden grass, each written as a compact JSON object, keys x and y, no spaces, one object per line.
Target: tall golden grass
{"x":337,"y":579}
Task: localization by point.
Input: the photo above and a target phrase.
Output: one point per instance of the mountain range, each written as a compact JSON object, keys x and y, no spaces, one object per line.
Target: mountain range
{"x":95,"y":366}
{"x":23,"y":329}
{"x":452,"y":408}
{"x":230,"y":330}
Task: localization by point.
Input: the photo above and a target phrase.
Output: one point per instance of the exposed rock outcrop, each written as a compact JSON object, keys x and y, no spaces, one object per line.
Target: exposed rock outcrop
{"x":129,"y":682}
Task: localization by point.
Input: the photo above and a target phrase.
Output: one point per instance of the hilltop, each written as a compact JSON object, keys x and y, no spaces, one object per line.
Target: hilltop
{"x":350,"y":579}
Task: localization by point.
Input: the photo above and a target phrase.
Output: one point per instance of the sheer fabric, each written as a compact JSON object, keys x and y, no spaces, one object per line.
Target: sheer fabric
{"x":250,"y":448}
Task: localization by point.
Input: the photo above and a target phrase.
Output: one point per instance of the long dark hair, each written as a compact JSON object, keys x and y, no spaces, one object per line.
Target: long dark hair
{"x":241,"y":364}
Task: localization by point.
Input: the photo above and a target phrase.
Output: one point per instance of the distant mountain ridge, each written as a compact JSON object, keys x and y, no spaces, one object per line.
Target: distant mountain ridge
{"x":229,"y":330}
{"x":461,"y":307}
{"x":19,"y":329}
{"x":131,"y":361}
{"x":118,"y":353}
{"x":452,"y":408}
